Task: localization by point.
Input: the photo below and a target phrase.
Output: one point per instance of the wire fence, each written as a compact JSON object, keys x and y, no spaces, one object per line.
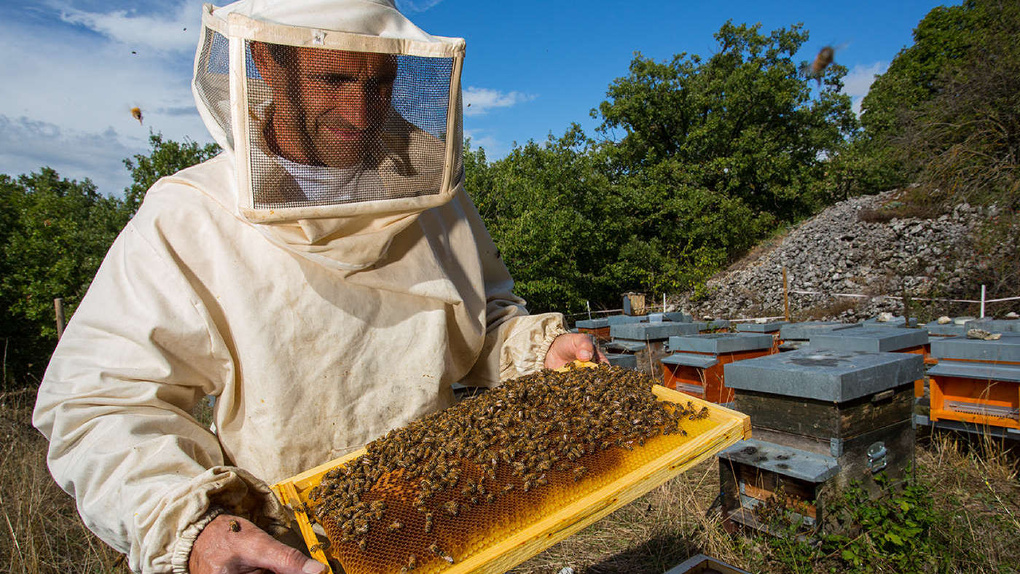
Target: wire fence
{"x":654,"y":308}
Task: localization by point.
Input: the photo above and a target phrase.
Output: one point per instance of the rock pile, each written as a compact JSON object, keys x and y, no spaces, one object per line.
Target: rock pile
{"x":853,"y":247}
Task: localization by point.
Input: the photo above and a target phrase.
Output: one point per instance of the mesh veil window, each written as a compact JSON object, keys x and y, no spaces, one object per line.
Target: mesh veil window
{"x":331,"y":124}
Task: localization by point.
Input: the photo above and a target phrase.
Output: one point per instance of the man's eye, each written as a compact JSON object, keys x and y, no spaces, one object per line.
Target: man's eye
{"x":333,"y":79}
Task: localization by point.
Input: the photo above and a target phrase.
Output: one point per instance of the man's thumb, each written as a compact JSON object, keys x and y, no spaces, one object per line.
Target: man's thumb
{"x":277,"y":557}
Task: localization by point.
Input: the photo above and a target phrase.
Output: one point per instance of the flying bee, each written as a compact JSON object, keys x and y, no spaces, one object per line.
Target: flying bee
{"x":816,"y":68}
{"x":136,"y":113}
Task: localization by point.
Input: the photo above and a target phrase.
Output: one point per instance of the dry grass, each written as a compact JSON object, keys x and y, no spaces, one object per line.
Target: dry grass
{"x":974,"y":490}
{"x":42,"y":532}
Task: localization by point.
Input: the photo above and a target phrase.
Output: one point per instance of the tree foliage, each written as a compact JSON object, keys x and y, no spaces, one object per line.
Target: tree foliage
{"x":164,"y":158}
{"x":54,"y":233}
{"x":698,"y":159}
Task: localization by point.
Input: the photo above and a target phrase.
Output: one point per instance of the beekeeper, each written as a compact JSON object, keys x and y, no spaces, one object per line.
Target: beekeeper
{"x":326,"y":278}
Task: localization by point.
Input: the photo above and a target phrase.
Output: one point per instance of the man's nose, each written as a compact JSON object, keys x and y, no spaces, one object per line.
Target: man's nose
{"x":359,"y":108}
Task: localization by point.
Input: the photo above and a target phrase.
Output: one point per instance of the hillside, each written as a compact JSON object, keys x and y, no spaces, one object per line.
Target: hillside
{"x":873,"y":246}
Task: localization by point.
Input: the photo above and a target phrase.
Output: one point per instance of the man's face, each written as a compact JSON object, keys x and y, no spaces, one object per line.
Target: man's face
{"x":328,"y":105}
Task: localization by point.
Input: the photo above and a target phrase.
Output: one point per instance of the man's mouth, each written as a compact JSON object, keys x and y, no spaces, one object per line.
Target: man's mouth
{"x":347,"y":134}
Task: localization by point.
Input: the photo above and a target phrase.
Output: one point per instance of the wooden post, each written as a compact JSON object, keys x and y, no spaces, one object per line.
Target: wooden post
{"x":786,"y":297}
{"x":982,"y":301}
{"x":58,"y":307}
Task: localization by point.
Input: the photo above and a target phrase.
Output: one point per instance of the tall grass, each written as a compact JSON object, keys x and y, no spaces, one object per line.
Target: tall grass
{"x":41,"y":530}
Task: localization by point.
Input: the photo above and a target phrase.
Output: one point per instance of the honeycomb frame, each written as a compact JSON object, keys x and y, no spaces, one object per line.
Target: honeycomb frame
{"x":726,"y":428}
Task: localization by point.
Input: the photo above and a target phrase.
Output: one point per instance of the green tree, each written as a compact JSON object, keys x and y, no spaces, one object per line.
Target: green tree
{"x":554,"y":218}
{"x":54,"y":235}
{"x":164,"y":158}
{"x":719,"y":152}
{"x":878,"y":159}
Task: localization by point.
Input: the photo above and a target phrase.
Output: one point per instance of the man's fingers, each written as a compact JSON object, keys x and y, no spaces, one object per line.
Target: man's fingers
{"x":275,"y":556}
{"x":233,"y":545}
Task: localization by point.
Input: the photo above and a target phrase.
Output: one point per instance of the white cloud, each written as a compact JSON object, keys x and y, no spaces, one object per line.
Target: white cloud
{"x":478,"y":101}
{"x":66,"y":103}
{"x":858,"y":81}
{"x":415,"y":6}
{"x":32,"y":144}
{"x":494,"y":149}
{"x":176,"y":31}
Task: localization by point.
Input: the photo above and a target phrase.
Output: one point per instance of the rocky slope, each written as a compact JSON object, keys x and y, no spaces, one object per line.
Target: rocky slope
{"x":862,"y":246}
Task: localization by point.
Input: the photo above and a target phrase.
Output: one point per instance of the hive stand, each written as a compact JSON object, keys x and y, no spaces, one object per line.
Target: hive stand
{"x":821,"y":418}
{"x":696,"y":365}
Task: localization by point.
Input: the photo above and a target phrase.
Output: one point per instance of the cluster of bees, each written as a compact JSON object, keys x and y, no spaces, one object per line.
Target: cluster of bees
{"x":502,"y":443}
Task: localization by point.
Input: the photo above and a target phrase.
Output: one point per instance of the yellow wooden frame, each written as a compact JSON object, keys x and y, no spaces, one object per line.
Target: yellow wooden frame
{"x":731,"y":427}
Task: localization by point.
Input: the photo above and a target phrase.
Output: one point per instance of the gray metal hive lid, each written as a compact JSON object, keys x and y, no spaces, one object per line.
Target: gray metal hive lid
{"x":690,"y":360}
{"x":894,"y":322}
{"x":651,"y":331}
{"x":752,"y":327}
{"x":824,"y":374}
{"x":944,"y":330}
{"x":622,"y":360}
{"x":716,"y":324}
{"x":622,"y":345}
{"x":717,"y":343}
{"x":592,"y":323}
{"x":978,"y":371}
{"x":623,"y":319}
{"x":1006,"y":349}
{"x":803,"y":331}
{"x":678,"y":317}
{"x":870,"y":339}
{"x":783,"y":460}
{"x":995,"y":325}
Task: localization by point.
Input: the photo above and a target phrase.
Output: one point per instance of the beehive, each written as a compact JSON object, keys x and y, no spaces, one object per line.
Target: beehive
{"x":481,"y":524}
{"x":697,"y":365}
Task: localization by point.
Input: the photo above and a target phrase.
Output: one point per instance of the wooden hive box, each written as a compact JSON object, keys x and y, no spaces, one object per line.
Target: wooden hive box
{"x":697,"y":363}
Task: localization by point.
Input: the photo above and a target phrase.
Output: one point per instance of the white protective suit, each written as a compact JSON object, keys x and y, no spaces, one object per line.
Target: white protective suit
{"x":316,"y":335}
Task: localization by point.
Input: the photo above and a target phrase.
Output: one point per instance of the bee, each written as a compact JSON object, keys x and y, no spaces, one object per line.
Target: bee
{"x":428,"y":522}
{"x":136,"y":113}
{"x":322,"y":545}
{"x":395,"y":526}
{"x":452,"y":507}
{"x":363,"y":544}
{"x":412,"y":562}
{"x":816,"y":67}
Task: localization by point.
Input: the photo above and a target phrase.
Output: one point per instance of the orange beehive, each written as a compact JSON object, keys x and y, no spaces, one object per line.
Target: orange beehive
{"x":697,"y":366}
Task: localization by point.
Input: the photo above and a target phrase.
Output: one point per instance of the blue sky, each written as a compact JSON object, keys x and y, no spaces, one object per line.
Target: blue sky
{"x":73,"y":69}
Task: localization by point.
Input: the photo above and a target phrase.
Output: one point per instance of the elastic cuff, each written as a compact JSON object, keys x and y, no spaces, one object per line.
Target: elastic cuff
{"x":543,"y":348}
{"x":182,"y":548}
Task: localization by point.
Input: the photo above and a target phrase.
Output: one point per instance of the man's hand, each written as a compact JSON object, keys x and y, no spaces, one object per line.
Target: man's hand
{"x":570,"y":346}
{"x":233,"y":545}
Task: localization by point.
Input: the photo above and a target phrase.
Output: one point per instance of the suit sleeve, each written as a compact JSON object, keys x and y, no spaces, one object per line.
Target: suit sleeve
{"x":516,"y":342}
{"x":139,"y":353}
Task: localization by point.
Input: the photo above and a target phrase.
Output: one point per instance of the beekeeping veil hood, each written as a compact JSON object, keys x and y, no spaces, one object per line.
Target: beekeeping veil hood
{"x":342,"y":117}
